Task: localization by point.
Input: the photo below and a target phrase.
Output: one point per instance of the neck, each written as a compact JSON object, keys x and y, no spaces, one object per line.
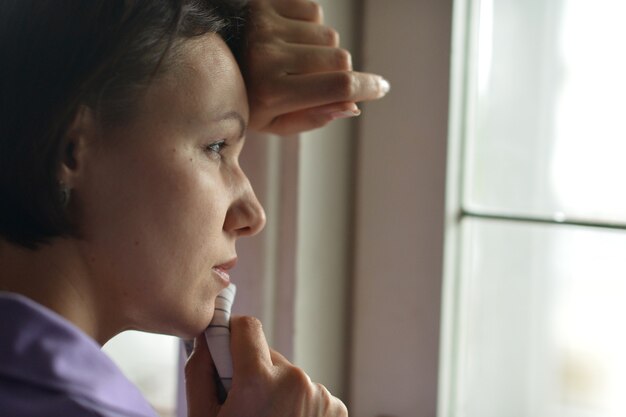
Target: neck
{"x":56,"y":277}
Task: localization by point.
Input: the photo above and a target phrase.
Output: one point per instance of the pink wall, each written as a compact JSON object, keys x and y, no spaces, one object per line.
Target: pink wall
{"x":400,"y":211}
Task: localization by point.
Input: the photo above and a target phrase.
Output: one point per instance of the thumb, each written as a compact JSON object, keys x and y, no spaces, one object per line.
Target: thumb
{"x":312,"y":118}
{"x":200,"y":381}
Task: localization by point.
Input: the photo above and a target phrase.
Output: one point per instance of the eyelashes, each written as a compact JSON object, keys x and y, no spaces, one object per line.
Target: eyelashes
{"x":215,"y":150}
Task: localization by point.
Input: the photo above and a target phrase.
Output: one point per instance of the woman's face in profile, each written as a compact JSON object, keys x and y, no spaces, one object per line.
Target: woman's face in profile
{"x":164,"y":198}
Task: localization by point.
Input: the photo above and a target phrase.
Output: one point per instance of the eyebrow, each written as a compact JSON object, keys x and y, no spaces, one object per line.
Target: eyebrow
{"x":233,"y":115}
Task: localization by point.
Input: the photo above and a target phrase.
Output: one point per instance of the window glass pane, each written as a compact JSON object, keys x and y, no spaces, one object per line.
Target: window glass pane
{"x":540,"y":321}
{"x":546,"y":109}
{"x":150,"y":361}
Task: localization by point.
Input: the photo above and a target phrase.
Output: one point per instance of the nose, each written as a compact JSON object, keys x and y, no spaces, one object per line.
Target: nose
{"x":245,"y":216}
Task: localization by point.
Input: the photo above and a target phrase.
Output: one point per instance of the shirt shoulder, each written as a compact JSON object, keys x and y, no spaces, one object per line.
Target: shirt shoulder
{"x":23,"y":400}
{"x":49,"y":367}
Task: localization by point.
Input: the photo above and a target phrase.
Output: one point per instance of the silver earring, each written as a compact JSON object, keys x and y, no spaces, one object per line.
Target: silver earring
{"x":64,"y":195}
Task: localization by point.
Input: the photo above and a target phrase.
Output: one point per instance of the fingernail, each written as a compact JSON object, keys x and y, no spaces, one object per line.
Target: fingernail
{"x":384,"y":86}
{"x":344,"y":114}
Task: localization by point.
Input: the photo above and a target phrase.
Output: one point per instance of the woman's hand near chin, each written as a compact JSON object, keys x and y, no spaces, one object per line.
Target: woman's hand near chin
{"x":296,"y":75}
{"x":265,"y":384}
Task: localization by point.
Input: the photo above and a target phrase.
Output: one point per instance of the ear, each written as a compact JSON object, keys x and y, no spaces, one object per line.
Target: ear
{"x":81,"y":133}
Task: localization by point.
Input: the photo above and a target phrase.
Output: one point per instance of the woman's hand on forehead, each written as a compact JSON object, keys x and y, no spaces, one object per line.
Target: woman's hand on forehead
{"x":297,"y":76}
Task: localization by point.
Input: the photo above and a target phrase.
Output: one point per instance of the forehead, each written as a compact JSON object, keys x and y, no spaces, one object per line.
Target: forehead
{"x":203,"y":80}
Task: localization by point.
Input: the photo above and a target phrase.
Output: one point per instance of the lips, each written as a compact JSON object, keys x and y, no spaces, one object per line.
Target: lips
{"x":222,"y":270}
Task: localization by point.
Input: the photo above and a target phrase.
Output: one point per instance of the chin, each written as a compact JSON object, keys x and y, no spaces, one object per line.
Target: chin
{"x":192,"y":327}
{"x":183,"y":323}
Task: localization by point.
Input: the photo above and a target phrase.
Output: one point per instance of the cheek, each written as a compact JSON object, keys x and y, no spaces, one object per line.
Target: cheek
{"x":156,"y":201}
{"x":155,"y":231}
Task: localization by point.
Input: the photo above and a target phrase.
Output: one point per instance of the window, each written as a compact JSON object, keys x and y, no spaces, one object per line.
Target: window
{"x":150,"y":361}
{"x":536,"y":299}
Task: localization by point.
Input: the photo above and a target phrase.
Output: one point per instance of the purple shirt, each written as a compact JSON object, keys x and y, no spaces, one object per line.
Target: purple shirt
{"x":48,"y":367}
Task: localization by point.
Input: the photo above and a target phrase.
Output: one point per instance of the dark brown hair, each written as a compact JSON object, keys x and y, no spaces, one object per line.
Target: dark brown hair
{"x":60,"y":54}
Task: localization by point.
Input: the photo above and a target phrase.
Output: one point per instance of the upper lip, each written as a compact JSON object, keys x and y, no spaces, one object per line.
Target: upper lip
{"x":227,"y":265}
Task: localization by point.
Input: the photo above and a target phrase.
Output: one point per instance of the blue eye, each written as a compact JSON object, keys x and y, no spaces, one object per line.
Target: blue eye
{"x":215,"y":149}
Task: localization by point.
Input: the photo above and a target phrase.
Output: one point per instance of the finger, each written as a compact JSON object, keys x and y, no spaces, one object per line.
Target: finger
{"x":200,"y":381}
{"x":300,"y":10}
{"x":248,"y":346}
{"x":312,"y":118}
{"x":306,"y":59}
{"x":278,"y":359}
{"x":313,"y":90}
{"x":309,"y":33}
{"x":331,"y":404}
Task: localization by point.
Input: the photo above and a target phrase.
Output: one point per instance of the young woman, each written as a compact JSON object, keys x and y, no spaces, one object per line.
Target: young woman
{"x":121,"y":194}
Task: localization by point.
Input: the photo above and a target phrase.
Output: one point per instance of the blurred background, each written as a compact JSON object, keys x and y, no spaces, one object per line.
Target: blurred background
{"x":459,"y":250}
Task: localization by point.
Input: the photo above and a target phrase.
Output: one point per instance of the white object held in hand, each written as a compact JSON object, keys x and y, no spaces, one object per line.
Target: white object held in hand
{"x":218,"y":336}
